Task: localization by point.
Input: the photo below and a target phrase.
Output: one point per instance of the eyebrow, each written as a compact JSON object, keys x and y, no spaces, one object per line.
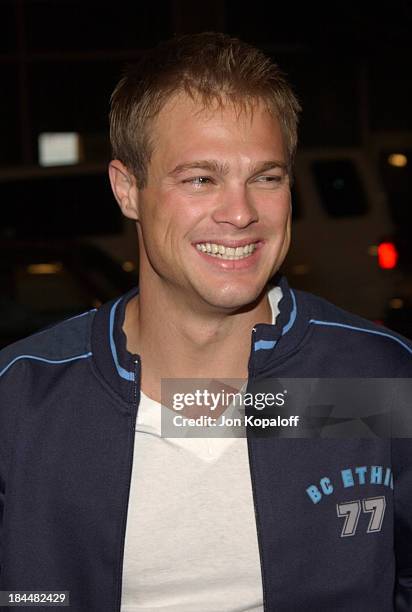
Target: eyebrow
{"x":212,"y":165}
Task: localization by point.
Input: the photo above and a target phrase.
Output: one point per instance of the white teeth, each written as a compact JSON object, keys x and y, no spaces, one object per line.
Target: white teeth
{"x":218,"y":250}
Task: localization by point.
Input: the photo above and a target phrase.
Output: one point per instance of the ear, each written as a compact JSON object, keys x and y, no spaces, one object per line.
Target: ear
{"x":124,"y":188}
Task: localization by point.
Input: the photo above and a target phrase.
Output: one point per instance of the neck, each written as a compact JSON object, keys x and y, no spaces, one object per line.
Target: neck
{"x":174,"y":341}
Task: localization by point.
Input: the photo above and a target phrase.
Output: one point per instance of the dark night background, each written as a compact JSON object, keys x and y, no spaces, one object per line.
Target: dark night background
{"x":350,"y":65}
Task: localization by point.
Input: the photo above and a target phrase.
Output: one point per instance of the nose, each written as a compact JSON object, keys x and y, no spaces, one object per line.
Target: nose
{"x":235,"y":207}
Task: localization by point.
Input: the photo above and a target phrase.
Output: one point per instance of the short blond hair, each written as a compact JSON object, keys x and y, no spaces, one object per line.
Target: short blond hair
{"x":211,"y":66}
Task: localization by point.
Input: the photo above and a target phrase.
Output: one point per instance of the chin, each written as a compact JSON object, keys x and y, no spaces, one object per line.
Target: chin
{"x":233,"y":299}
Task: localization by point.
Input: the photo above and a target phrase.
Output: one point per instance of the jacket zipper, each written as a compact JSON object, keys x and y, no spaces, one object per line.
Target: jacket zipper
{"x":136,"y":386}
{"x":252,"y":478}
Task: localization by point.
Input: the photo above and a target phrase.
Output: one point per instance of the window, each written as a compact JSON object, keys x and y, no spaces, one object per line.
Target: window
{"x":395,"y":169}
{"x":340,"y":187}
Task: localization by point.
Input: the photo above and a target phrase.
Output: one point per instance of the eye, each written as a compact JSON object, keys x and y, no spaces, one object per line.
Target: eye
{"x":269,"y":179}
{"x":198,"y":181}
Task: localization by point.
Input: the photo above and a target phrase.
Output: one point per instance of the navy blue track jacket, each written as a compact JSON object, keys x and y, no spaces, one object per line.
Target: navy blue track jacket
{"x":68,"y":402}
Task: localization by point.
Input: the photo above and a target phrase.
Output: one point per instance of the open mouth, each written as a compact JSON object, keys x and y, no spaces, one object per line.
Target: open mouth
{"x":223,"y":252}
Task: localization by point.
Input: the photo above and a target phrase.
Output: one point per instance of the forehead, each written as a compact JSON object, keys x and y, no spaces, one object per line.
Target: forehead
{"x":185,"y":126}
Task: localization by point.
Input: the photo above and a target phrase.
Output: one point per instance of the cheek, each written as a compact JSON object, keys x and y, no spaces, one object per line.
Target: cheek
{"x":178,"y":215}
{"x":278,"y":211}
{"x":155,"y":218}
{"x":166,"y":221}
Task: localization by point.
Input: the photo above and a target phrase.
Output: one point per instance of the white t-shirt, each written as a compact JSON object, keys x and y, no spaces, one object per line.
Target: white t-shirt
{"x":191,"y":542}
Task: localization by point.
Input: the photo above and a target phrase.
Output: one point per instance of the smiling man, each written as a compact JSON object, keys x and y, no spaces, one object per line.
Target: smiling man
{"x":94,"y":500}
{"x":214,"y":226}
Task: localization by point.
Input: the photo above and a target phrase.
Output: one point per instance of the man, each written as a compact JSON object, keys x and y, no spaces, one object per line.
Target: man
{"x":95,"y":501}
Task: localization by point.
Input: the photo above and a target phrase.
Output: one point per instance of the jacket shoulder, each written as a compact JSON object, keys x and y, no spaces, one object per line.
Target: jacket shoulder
{"x":63,"y":342}
{"x":355,"y":329}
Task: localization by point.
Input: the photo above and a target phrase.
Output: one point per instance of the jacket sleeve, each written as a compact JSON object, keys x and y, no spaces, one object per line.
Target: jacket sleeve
{"x":402,"y":470}
{"x":11,"y":386}
{"x":4,"y":447}
{"x":2,"y":495}
{"x":2,"y":473}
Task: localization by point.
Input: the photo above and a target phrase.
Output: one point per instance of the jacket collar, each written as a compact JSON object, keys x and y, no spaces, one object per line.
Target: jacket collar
{"x":269,"y":343}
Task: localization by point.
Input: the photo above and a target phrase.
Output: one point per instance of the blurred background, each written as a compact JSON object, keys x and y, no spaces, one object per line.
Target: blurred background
{"x":64,"y":246}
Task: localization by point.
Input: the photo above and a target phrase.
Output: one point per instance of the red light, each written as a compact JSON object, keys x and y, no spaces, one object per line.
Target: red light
{"x":387,"y":255}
